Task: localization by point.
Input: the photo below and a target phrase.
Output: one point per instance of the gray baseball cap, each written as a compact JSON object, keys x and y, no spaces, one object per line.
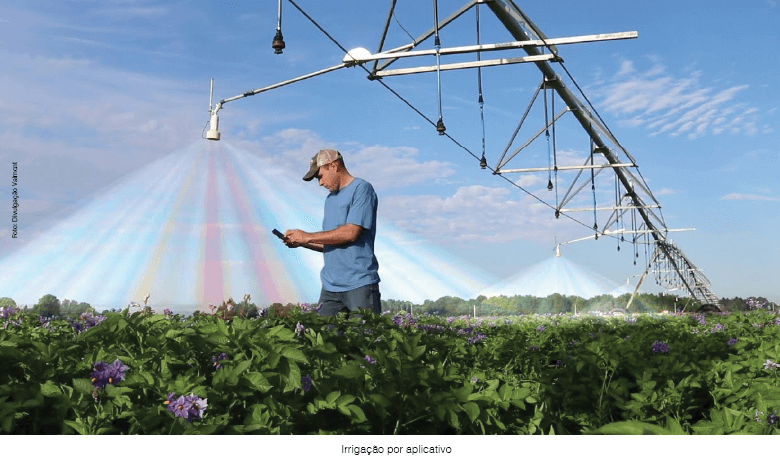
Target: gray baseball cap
{"x":323,"y":157}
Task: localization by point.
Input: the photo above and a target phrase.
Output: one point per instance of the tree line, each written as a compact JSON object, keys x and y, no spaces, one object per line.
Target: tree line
{"x":558,"y":303}
{"x":50,"y":306}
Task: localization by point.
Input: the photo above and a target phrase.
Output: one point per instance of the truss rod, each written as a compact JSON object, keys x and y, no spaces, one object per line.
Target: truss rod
{"x":533,"y":137}
{"x":498,"y":46}
{"x":566,"y":167}
{"x":462,"y":65}
{"x":283,"y":83}
{"x":590,"y":209}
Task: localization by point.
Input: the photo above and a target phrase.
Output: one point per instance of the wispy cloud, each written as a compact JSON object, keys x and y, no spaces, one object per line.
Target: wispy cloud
{"x":483,"y":213}
{"x":754,"y":197}
{"x":135,"y":12}
{"x":676,"y":105}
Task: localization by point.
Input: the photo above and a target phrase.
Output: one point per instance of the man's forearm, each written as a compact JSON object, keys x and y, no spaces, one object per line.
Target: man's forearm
{"x":314,"y":246}
{"x":339,"y":236}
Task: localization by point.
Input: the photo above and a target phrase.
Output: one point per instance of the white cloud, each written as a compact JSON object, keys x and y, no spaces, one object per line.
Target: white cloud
{"x":675,"y":105}
{"x":132,"y":12}
{"x":487,"y":214}
{"x":754,"y":197}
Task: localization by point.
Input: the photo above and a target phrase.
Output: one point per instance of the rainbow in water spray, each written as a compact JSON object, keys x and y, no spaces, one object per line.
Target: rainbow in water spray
{"x":194,"y":228}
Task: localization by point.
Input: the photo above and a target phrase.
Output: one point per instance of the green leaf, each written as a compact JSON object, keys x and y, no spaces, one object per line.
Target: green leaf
{"x":357,"y":413}
{"x":258,"y":381}
{"x":631,"y":427}
{"x":79,"y":427}
{"x":50,"y":389}
{"x":345,"y":399}
{"x":472,"y":410}
{"x":208,"y":328}
{"x":295,"y":355}
{"x":149,"y":379}
{"x":332,"y":396}
{"x":242,"y":367}
{"x":349,"y":371}
{"x":83,"y":385}
{"x":381,"y":400}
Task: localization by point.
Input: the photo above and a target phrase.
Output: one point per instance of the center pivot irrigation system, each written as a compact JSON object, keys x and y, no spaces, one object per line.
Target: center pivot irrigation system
{"x":634,"y":216}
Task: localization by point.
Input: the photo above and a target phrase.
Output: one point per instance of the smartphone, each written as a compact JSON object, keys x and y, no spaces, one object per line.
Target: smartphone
{"x":278,"y":234}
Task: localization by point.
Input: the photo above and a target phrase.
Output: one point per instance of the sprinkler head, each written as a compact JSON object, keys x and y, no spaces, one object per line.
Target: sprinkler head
{"x":440,"y":127}
{"x":278,"y":43}
{"x":549,"y":185}
{"x":483,"y":163}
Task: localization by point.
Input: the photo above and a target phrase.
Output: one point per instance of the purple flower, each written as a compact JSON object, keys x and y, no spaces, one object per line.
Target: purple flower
{"x":99,"y":379}
{"x":370,"y":359}
{"x":590,"y":334}
{"x":718,"y":327}
{"x":306,"y":382}
{"x":299,"y":329}
{"x":533,"y":347}
{"x":197,"y":407}
{"x":628,"y":337}
{"x":732,"y":341}
{"x":180,"y":407}
{"x":477,"y":338}
{"x":559,"y":363}
{"x":6,"y":312}
{"x":168,"y":312}
{"x":116,"y":372}
{"x":661,"y":347}
{"x":104,"y":373}
{"x":474,"y":380}
{"x":772,"y":419}
{"x":540,"y":328}
{"x":190,"y":407}
{"x":216,"y":359}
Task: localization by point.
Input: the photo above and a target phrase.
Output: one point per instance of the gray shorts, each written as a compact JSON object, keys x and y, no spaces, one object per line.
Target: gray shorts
{"x":366,"y":297}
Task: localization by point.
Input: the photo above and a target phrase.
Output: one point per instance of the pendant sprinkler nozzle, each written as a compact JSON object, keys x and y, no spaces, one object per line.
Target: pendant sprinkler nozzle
{"x":440,"y":127}
{"x":278,"y":43}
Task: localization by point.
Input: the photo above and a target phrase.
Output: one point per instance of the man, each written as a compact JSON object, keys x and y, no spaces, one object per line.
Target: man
{"x":349,"y":278}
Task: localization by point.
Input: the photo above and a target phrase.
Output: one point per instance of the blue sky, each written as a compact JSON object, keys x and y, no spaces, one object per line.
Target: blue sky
{"x":96,"y":91}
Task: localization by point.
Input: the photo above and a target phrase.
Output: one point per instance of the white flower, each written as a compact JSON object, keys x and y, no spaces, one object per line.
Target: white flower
{"x":769,"y":364}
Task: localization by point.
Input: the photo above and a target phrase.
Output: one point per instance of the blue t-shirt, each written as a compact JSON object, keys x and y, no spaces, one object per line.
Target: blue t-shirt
{"x":351,"y":265}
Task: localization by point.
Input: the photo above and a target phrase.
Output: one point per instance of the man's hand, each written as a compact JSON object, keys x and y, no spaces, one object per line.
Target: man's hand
{"x":294,"y":238}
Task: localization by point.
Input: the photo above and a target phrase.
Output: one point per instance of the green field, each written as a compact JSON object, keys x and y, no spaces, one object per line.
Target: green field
{"x":390,"y":374}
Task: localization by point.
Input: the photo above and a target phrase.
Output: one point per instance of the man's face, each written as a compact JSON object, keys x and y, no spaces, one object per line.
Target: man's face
{"x":327,"y":178}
